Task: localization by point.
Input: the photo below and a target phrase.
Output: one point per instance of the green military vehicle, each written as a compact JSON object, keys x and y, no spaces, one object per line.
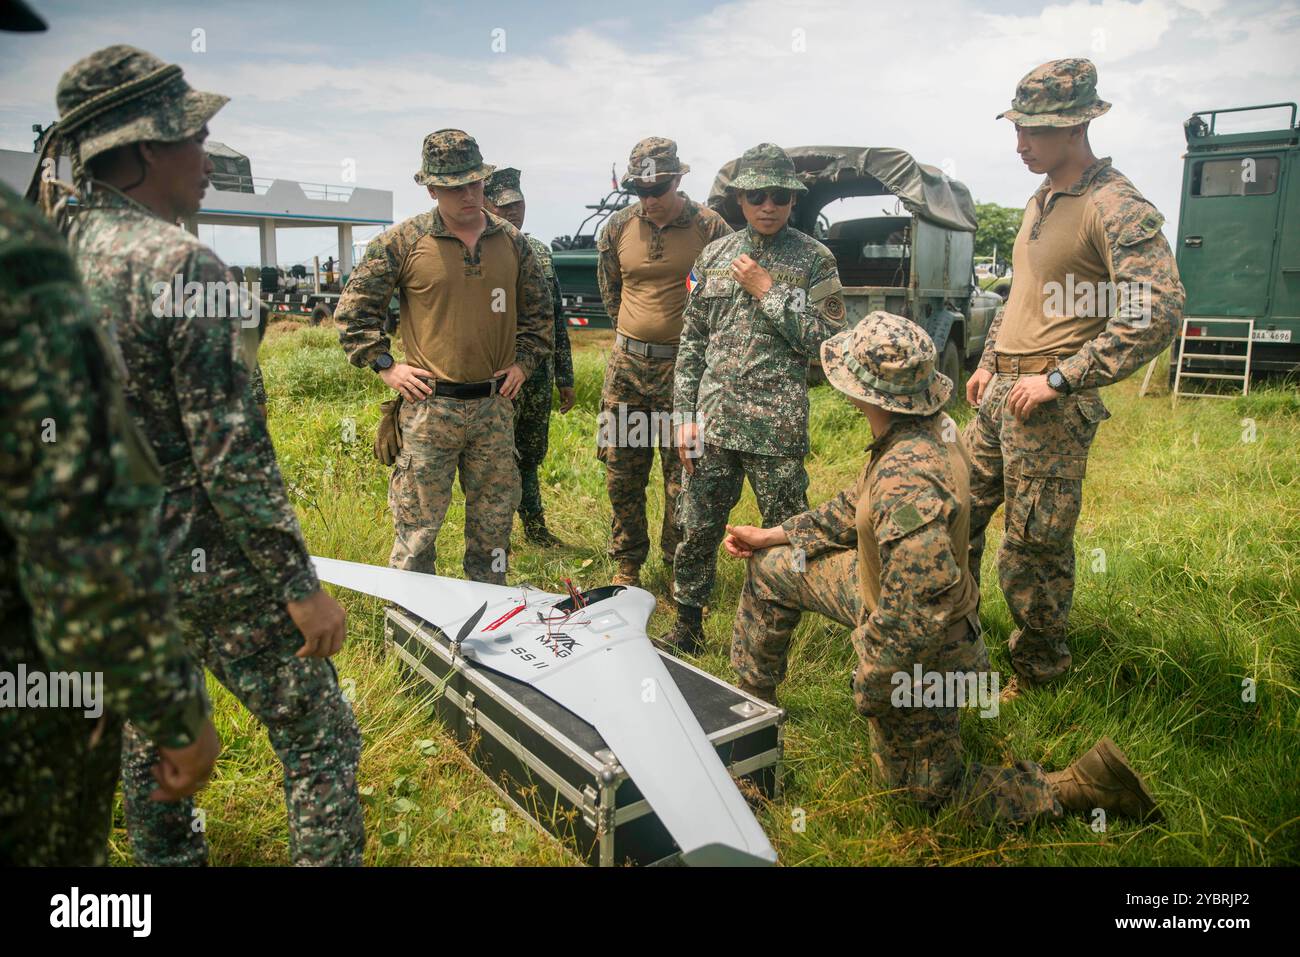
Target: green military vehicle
{"x":575,"y":264}
{"x":916,"y":260}
{"x":1239,"y":250}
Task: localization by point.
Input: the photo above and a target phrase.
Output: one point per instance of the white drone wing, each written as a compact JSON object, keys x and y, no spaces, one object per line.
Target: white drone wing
{"x":596,"y":661}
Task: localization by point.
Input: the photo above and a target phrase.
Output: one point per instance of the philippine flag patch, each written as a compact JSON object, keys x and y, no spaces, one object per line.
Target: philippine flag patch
{"x":691,"y":282}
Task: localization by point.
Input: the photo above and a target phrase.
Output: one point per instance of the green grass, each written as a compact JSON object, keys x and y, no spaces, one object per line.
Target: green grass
{"x":1199,"y":592}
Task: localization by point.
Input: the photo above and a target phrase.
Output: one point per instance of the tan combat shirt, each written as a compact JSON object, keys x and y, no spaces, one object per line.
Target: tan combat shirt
{"x":1093,"y":281}
{"x":642,"y":268}
{"x":908,"y":514}
{"x":465,"y":314}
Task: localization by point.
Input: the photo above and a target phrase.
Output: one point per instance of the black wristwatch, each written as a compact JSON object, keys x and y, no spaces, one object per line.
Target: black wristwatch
{"x":1057,"y":382}
{"x":381,"y":362}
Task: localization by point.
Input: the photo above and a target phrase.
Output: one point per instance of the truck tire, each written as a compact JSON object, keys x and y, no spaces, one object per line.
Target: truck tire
{"x":951,"y":365}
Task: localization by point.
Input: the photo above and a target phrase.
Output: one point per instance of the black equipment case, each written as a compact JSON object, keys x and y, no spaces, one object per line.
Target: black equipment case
{"x":555,"y":768}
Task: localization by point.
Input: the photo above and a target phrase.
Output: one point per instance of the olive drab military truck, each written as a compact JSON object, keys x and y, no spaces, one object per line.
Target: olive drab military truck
{"x":917,"y":262}
{"x":1238,"y":252}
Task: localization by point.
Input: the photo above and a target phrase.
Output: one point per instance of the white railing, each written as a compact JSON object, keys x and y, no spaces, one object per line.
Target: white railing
{"x":259,"y":185}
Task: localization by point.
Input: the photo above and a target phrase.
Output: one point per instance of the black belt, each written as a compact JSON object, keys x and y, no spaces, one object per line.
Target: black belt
{"x":468,"y":390}
{"x":651,"y":350}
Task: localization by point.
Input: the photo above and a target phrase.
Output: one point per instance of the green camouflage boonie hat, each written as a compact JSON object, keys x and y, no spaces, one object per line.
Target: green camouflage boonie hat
{"x":888,"y":361}
{"x":120,"y":95}
{"x":1058,"y":93}
{"x":451,"y":158}
{"x":502,"y":187}
{"x":653,"y":160}
{"x":766,"y":166}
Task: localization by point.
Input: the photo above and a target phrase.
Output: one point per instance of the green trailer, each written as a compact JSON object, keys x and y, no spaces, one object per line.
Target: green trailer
{"x":1239,"y":250}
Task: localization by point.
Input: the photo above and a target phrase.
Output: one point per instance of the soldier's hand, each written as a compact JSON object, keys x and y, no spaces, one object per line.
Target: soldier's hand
{"x":1029,"y":392}
{"x":514,"y":380}
{"x":322,"y":622}
{"x":688,"y":445}
{"x":407,"y":380}
{"x":753,"y":278}
{"x":182,"y":771}
{"x":979,"y":381}
{"x":568,"y":398}
{"x":743,"y":540}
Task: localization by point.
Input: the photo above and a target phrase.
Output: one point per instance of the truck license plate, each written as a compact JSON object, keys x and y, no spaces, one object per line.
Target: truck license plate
{"x":1272,"y":335}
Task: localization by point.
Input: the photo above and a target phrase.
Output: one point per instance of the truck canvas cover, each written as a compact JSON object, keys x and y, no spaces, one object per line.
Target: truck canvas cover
{"x":834,"y":172}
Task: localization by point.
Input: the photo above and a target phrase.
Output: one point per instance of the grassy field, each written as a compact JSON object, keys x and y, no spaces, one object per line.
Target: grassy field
{"x":1186,"y":640}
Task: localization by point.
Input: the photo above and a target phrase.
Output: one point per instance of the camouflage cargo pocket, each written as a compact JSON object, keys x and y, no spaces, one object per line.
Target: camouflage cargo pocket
{"x":1047,"y":500}
{"x":612,"y":387}
{"x":1091,"y":408}
{"x":403,"y":491}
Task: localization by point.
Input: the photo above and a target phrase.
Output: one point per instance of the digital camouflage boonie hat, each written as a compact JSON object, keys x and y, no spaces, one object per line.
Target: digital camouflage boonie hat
{"x":1058,"y":93}
{"x":653,"y":160}
{"x":502,"y":187}
{"x":120,"y":95}
{"x":888,"y":361}
{"x":766,"y":166}
{"x":451,"y":158}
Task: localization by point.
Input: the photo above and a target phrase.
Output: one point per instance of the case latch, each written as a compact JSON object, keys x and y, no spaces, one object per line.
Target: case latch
{"x":591,"y":815}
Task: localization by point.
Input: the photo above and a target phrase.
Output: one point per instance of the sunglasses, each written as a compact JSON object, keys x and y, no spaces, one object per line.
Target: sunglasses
{"x":653,"y":192}
{"x":780,"y":197}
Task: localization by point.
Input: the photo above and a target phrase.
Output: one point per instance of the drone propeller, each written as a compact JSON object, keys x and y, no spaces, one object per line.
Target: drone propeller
{"x":470,"y":624}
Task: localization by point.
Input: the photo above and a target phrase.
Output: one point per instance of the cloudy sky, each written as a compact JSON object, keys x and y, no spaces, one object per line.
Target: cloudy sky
{"x":564,"y":90}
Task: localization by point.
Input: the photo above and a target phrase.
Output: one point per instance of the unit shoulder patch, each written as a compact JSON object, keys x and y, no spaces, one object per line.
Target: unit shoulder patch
{"x":827,"y":287}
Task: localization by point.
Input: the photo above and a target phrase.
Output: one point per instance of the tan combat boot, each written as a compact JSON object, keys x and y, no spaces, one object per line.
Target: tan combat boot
{"x":629,"y":573}
{"x":1103,"y":778}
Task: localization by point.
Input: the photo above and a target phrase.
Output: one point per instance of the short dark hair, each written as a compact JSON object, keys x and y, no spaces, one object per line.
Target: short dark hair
{"x":104,"y":164}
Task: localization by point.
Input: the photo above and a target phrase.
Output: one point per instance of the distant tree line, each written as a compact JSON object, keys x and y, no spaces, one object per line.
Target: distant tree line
{"x":998,"y":226}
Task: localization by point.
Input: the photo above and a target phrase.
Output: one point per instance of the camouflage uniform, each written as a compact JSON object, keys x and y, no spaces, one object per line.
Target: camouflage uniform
{"x":533,"y":404}
{"x":232,"y":542}
{"x":886,"y":558}
{"x":638,"y":386}
{"x":1037,"y":466}
{"x":442,"y":434}
{"x":82,"y":582}
{"x":742,"y":374}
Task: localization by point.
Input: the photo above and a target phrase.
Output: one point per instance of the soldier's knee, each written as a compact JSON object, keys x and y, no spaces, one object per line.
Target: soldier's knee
{"x":926,"y":767}
{"x":313,"y":710}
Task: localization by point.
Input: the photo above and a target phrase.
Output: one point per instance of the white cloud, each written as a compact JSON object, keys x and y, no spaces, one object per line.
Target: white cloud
{"x":926,"y":77}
